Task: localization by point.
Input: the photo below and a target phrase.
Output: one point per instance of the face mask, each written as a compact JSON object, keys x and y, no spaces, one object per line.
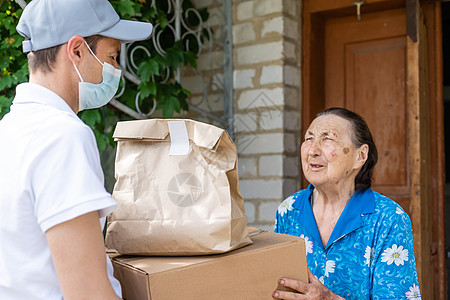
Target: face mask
{"x":96,"y":95}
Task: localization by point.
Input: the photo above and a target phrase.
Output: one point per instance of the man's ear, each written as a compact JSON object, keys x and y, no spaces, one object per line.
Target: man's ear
{"x":362,"y":155}
{"x":75,"y":49}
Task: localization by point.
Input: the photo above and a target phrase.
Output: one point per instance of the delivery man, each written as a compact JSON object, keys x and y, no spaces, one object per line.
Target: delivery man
{"x":52,"y":192}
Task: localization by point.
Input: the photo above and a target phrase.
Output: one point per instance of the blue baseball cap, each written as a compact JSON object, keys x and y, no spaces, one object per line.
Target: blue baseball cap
{"x":48,"y":23}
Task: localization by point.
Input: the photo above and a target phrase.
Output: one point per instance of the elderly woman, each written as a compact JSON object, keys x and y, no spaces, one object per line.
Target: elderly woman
{"x":359,"y":243}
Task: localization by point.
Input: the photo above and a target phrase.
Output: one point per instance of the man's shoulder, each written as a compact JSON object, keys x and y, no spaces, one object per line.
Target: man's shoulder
{"x":45,"y":126}
{"x":65,"y":131}
{"x":32,"y":122}
{"x":54,"y":122}
{"x":37,"y":106}
{"x":63,"y":121}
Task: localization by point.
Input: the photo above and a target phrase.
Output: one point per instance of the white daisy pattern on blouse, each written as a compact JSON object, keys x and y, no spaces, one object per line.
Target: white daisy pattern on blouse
{"x":321,"y":280}
{"x":413,"y":293}
{"x":308,"y":244}
{"x":368,"y":255}
{"x":329,"y":267}
{"x":399,"y":211}
{"x":286,"y":205}
{"x":396,"y":255}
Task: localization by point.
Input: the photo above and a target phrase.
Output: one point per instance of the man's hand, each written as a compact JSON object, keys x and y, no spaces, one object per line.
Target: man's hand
{"x":312,"y":290}
{"x":78,"y":252}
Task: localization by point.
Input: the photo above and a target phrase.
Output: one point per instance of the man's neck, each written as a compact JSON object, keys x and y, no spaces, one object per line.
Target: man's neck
{"x":56,"y":82}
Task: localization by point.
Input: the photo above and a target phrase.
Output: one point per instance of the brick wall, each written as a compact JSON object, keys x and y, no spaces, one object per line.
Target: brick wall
{"x":266,"y":42}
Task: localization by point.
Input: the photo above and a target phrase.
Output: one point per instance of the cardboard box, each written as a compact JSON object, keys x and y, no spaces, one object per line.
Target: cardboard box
{"x":251,"y":272}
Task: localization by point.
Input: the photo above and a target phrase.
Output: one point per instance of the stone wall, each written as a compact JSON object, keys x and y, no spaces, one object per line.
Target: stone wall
{"x":267,"y":95}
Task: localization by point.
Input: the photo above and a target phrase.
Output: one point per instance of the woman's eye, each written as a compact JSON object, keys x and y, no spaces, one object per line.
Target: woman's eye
{"x":308,"y":138}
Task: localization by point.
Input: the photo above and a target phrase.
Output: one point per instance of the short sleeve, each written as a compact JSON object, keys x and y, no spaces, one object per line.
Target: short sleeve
{"x":282,"y":214}
{"x":394,"y":267}
{"x":279,"y":222}
{"x":65,"y":174}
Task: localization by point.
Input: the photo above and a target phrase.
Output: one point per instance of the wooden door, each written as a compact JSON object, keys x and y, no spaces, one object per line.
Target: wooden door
{"x":375,"y":68}
{"x":365,"y":71}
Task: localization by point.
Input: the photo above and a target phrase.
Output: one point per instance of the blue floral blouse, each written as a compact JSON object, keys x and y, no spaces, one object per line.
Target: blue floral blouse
{"x":370,"y":253}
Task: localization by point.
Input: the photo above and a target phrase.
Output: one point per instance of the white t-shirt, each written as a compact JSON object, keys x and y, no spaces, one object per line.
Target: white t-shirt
{"x":50,"y":173}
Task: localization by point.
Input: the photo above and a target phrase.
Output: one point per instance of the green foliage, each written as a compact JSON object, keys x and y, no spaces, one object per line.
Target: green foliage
{"x":157,"y":73}
{"x":13,"y":63}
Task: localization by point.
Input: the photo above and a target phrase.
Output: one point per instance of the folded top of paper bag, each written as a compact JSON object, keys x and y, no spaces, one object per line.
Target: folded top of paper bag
{"x":203,"y":135}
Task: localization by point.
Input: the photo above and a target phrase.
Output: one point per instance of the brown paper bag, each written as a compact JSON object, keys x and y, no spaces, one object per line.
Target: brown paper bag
{"x":177,"y":190}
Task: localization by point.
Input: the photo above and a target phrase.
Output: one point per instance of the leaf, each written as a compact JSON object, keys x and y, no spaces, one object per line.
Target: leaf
{"x":190,"y":59}
{"x":148,"y":14}
{"x":162,"y":19}
{"x":5,"y":104}
{"x":147,"y":69}
{"x":6,"y":82}
{"x":125,"y":8}
{"x":186,"y":92}
{"x":162,"y":61}
{"x":129,"y":96}
{"x":206,"y":35}
{"x":184,"y":105}
{"x":17,"y":41}
{"x":8,"y":23}
{"x":101,"y":140}
{"x":147,"y":89}
{"x":174,"y":57}
{"x":176,"y":103}
{"x":153,"y":88}
{"x":91,"y":117}
{"x":22,"y":73}
{"x":168,"y":109}
{"x":144,"y":71}
{"x":153,"y":67}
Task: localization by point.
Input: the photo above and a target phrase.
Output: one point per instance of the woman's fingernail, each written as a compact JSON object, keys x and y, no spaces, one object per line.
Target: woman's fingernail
{"x":282,"y":282}
{"x":276,"y":294}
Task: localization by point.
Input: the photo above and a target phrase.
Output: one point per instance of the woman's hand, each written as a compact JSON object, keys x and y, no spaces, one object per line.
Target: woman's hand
{"x":312,"y":290}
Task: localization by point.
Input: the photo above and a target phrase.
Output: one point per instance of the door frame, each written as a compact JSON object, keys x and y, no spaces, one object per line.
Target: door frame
{"x":314,"y":14}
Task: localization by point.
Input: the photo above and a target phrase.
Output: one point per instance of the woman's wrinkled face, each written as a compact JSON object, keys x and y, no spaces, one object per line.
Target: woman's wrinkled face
{"x":328,"y":154}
